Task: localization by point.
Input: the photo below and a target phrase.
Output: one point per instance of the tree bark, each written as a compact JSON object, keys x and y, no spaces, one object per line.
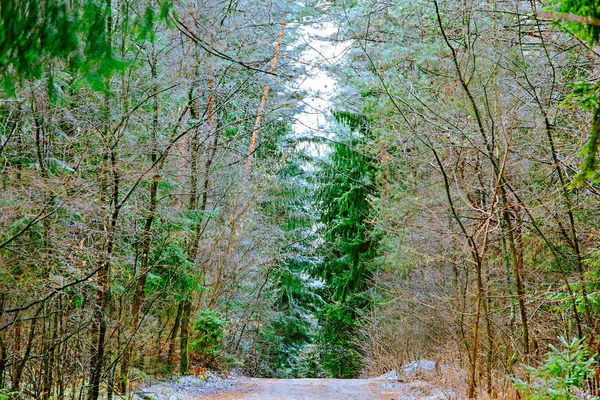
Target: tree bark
{"x":173,"y":336}
{"x":514,"y":241}
{"x":184,"y":360}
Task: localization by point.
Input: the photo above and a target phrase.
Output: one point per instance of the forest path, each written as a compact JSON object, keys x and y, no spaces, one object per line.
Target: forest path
{"x":325,"y":389}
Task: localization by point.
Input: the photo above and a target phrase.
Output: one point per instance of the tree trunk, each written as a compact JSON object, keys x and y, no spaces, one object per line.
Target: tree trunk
{"x":184,"y":361}
{"x":173,"y":336}
{"x":516,"y":256}
{"x":263,"y":99}
{"x":100,"y":306}
{"x":20,"y":366}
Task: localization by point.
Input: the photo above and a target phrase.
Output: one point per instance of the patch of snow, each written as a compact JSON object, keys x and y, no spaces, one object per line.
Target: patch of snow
{"x":187,"y":387}
{"x":422,"y":390}
{"x":393,"y":374}
{"x":418,"y":366}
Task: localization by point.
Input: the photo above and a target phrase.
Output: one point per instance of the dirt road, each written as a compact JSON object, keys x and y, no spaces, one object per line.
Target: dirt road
{"x":213,"y":386}
{"x":313,"y":389}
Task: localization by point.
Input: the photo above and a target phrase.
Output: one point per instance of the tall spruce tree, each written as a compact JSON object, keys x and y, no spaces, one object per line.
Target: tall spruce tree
{"x":346,"y":182}
{"x":292,"y":327}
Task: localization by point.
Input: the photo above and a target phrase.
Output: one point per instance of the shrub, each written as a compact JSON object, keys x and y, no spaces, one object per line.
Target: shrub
{"x":566,"y":370}
{"x":207,"y":342}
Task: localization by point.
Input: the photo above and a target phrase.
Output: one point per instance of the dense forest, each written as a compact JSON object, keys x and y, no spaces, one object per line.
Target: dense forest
{"x":162,"y":212}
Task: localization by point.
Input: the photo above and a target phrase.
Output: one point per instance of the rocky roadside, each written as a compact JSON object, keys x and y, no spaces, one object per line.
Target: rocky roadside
{"x":188,"y":387}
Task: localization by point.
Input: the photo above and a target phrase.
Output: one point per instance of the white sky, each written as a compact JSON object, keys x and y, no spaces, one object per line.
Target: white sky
{"x":321,"y":53}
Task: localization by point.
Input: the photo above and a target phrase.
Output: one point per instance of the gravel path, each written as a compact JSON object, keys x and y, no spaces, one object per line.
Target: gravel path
{"x":213,"y":387}
{"x":410,"y":384}
{"x":310,"y":389}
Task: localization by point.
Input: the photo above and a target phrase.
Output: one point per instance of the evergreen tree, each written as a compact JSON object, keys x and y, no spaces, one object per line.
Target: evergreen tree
{"x":287,"y":338}
{"x":346,"y":182}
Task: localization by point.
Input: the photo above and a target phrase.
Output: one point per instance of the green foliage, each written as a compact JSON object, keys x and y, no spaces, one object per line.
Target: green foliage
{"x":6,"y":395}
{"x":287,"y":337}
{"x":209,"y":333}
{"x":347,"y":182}
{"x":589,"y":167}
{"x":583,"y":8}
{"x":346,"y":185}
{"x":31,"y":30}
{"x":583,"y":94}
{"x":566,"y":369}
{"x":172,"y":271}
{"x":154,"y":252}
{"x":35,"y":35}
{"x":592,"y":277}
{"x":309,"y":363}
{"x":270,"y":147}
{"x":292,"y":329}
{"x":338,"y":342}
